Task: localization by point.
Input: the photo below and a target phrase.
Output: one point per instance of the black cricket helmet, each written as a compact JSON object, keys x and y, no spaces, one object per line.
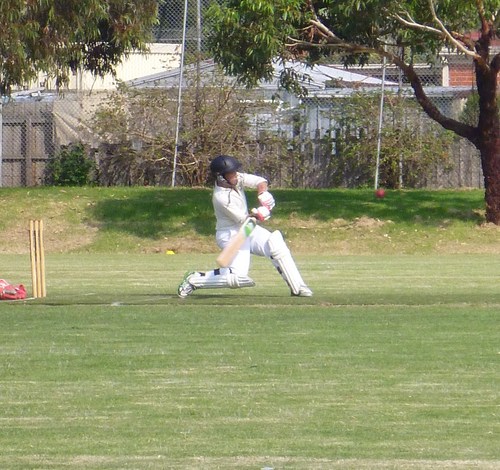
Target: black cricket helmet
{"x":223,"y":164}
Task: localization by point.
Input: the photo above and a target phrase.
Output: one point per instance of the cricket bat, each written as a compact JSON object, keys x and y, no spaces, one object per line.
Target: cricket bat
{"x":227,"y":255}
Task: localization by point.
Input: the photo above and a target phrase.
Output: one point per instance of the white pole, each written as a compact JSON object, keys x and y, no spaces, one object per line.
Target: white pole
{"x":198,"y":25}
{"x":380,"y":121}
{"x":179,"y":95}
{"x":400,"y":88}
{"x":1,"y":138}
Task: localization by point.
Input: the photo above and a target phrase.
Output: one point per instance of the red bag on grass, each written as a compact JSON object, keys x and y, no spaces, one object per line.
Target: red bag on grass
{"x":10,"y":292}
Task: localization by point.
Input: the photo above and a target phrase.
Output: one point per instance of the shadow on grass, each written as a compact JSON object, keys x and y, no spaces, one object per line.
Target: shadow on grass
{"x":415,"y":206}
{"x":154,"y":212}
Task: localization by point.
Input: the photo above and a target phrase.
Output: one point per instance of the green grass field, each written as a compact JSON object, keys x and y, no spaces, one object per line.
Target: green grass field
{"x":393,"y":364}
{"x":339,"y":221}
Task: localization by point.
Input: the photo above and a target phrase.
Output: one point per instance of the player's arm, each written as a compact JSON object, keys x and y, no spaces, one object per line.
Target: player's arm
{"x":239,"y":217}
{"x":262,"y":187}
{"x":265,"y":198}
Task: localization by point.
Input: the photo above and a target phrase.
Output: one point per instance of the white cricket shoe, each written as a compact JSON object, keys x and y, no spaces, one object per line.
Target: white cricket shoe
{"x":304,"y":291}
{"x":185,"y":287}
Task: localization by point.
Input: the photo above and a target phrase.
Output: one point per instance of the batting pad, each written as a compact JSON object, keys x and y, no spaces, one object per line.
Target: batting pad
{"x":286,"y":265}
{"x":220,"y":278}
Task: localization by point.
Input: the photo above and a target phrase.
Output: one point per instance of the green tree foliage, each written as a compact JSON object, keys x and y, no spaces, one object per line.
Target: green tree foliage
{"x":59,"y":36}
{"x":71,"y":166}
{"x":246,"y":36}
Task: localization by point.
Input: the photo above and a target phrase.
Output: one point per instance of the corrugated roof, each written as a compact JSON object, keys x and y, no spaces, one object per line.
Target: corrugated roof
{"x":319,"y":76}
{"x":312,"y":78}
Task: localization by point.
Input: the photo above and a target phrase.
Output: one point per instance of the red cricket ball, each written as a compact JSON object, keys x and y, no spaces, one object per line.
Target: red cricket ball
{"x":380,"y":193}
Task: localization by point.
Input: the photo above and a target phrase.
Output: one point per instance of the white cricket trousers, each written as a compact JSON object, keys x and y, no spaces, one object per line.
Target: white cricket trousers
{"x":255,"y":244}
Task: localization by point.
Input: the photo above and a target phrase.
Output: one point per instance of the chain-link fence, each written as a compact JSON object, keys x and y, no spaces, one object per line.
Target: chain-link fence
{"x":165,"y":122}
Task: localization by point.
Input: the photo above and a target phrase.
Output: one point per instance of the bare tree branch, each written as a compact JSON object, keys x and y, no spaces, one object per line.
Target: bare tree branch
{"x":456,"y":39}
{"x":430,"y":109}
{"x":411,"y":23}
{"x":482,"y":15}
{"x":324,"y":30}
{"x":450,"y":37}
{"x":335,"y":44}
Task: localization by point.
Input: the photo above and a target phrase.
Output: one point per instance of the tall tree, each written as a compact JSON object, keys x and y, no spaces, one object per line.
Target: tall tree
{"x":248,"y":35}
{"x":57,"y":36}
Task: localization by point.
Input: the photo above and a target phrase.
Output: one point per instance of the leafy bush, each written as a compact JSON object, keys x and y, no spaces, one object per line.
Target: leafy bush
{"x":71,"y":166}
{"x":137,"y":128}
{"x":411,"y":146}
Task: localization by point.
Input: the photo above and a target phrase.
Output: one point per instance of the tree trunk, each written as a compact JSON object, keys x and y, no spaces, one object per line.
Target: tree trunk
{"x":485,"y":137}
{"x":488,"y":129}
{"x":488,"y":143}
{"x":490,"y":160}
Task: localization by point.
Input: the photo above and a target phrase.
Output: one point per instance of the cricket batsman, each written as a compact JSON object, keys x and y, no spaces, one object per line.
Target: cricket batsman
{"x":231,"y":211}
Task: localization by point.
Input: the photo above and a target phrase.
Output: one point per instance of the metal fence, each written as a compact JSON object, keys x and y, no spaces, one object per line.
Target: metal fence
{"x":177,"y":112}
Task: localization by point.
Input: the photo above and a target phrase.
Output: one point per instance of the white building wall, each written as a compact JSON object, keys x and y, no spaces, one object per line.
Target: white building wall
{"x":161,"y":57}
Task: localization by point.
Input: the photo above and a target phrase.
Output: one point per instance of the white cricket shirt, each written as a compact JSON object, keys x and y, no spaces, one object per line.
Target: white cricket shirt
{"x":230,"y":205}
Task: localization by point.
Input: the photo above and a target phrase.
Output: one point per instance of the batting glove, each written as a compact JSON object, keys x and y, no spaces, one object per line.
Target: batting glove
{"x":266,"y":199}
{"x":261,"y":213}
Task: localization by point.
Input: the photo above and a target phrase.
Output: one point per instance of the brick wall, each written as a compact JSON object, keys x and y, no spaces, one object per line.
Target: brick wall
{"x":461,"y":76}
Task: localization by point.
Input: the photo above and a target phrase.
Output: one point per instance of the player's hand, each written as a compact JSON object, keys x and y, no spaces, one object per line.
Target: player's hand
{"x":266,"y":199}
{"x":261,"y":213}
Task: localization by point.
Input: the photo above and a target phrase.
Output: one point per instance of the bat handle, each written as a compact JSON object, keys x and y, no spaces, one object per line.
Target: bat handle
{"x":249,"y":225}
